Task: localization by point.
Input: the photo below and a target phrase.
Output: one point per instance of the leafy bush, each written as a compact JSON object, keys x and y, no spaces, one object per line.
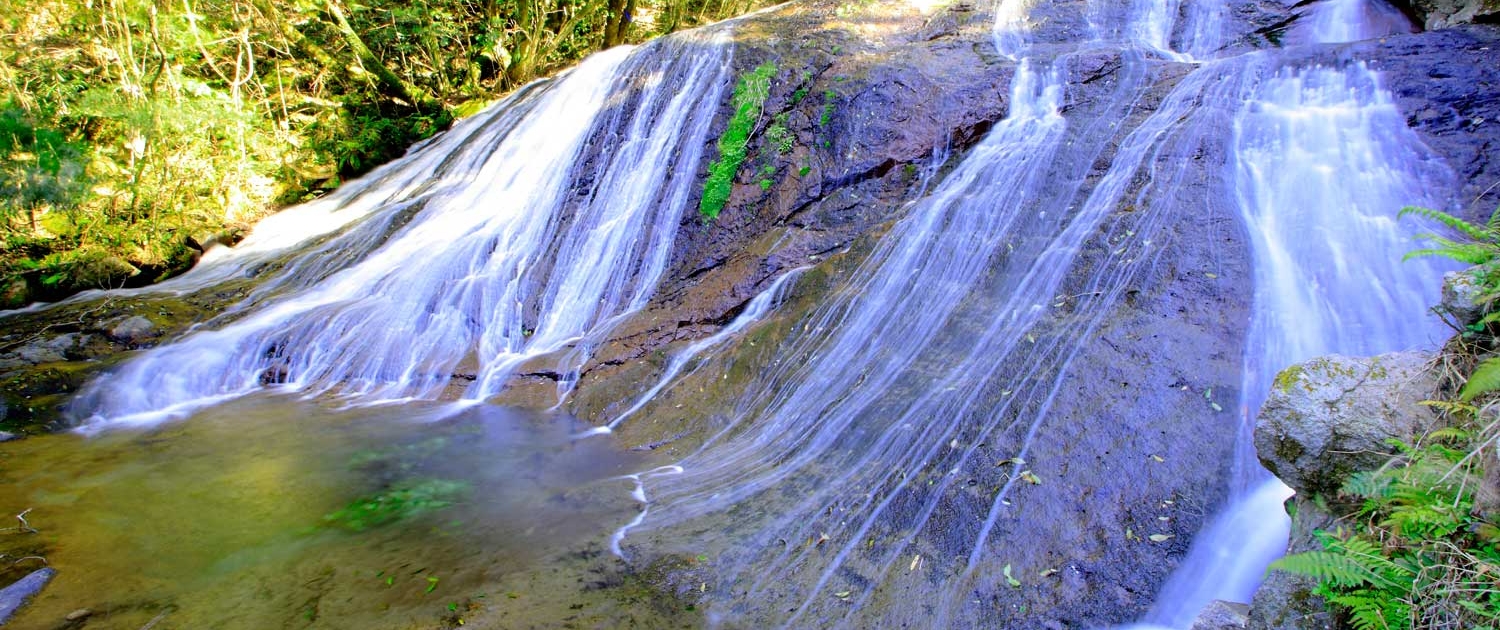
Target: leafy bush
{"x":1418,"y":556}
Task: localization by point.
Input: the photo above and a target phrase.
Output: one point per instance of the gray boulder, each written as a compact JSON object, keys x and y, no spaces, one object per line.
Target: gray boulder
{"x":133,"y":329}
{"x":1222,"y":615}
{"x":1331,"y":416}
{"x":47,"y":350}
{"x":1463,"y":293}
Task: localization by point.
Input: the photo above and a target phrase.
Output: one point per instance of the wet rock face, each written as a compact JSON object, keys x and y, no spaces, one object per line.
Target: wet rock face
{"x":1221,"y":615}
{"x":1437,"y":14}
{"x":1445,"y":83}
{"x":1330,"y":417}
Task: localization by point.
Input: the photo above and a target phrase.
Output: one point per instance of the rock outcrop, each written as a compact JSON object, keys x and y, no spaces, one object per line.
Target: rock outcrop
{"x":1333,"y":416}
{"x":1324,"y":420}
{"x":1437,"y":14}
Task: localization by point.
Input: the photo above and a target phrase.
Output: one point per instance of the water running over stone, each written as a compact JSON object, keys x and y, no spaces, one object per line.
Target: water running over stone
{"x":522,"y":233}
{"x":966,"y":430}
{"x":1322,"y":160}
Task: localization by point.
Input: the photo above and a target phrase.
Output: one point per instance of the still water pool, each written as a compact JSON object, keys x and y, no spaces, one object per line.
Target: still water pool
{"x":268,"y":512}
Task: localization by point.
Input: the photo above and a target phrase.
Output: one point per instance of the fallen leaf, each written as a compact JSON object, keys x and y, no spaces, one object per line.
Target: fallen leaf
{"x":1048,"y":572}
{"x":1158,"y":458}
{"x":1013,"y":582}
{"x":1160,"y":537}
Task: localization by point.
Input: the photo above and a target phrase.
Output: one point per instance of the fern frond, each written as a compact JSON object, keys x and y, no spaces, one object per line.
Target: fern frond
{"x":1451,"y":407}
{"x":1372,"y":610}
{"x":1329,"y":567}
{"x":1463,"y":255}
{"x":1476,"y":232}
{"x":1368,"y":484}
{"x":1485,"y":378}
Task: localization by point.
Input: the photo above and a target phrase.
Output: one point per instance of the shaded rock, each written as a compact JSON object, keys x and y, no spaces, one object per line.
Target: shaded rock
{"x":47,"y":350}
{"x":6,"y":436}
{"x":1222,"y":615}
{"x":14,"y":293}
{"x":1331,"y":416}
{"x":13,"y":597}
{"x":1463,"y":293}
{"x":132,"y":329}
{"x":1436,"y":14}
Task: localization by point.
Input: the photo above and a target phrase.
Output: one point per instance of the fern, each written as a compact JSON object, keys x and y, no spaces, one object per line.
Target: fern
{"x":1485,"y":378}
{"x":1334,"y":568}
{"x":1479,"y":233}
{"x":1368,"y":484}
{"x":1373,"y":610}
{"x":1452,"y":407}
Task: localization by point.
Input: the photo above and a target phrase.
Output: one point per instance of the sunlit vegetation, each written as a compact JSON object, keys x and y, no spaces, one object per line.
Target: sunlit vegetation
{"x":749,"y":104}
{"x":135,"y":133}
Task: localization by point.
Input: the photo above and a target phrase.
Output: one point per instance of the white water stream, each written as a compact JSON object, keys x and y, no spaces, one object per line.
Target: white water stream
{"x":524,"y":232}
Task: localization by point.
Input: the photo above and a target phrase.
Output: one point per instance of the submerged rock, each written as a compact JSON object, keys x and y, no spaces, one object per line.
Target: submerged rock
{"x":1332,"y":416}
{"x":13,"y":597}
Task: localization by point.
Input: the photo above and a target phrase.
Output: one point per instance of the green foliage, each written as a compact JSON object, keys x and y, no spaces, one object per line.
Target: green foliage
{"x":130,"y":129}
{"x":1481,"y":243}
{"x":829,"y":99}
{"x":1415,"y":560}
{"x":779,"y":136}
{"x":401,"y":502}
{"x":1485,"y":378}
{"x":749,"y":99}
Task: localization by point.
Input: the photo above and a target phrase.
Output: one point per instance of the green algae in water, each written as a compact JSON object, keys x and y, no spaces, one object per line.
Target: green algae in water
{"x":222,"y":520}
{"x":410,"y":500}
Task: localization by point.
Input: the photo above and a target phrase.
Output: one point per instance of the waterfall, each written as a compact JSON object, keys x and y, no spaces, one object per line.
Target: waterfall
{"x":524,"y":232}
{"x":855,"y":458}
{"x":875,"y":472}
{"x":1321,"y":162}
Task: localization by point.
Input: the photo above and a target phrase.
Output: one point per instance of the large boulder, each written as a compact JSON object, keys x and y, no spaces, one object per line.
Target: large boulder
{"x":1332,"y":416}
{"x":1324,"y":420}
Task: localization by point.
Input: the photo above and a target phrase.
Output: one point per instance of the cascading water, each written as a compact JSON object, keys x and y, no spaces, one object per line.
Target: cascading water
{"x":1322,"y":159}
{"x":878,"y":470}
{"x":864,"y":447}
{"x":521,"y":233}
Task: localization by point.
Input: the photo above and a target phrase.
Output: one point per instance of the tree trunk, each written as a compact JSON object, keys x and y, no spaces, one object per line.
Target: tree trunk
{"x":615,"y":23}
{"x":390,"y":83}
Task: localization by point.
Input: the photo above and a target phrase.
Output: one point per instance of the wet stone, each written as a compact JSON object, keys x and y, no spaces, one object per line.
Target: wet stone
{"x":132,"y":329}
